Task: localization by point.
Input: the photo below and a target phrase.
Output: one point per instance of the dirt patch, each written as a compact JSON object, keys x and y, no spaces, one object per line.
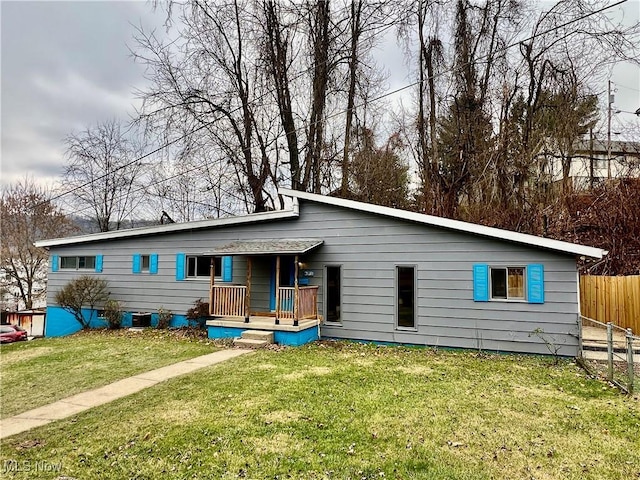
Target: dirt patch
{"x":319,"y":371}
{"x":281,"y":416}
{"x":17,"y":357}
{"x":265,"y":366}
{"x":415,"y":370}
{"x":311,"y":371}
{"x":180,"y":411}
{"x":277,"y":443}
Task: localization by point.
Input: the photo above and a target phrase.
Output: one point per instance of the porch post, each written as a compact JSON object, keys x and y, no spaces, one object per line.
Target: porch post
{"x":295,"y":293}
{"x":247,"y":298}
{"x":212,"y":276}
{"x":277,"y":289}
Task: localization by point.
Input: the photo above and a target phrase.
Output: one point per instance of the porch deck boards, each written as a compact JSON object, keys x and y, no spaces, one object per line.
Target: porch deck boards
{"x":262,"y":323}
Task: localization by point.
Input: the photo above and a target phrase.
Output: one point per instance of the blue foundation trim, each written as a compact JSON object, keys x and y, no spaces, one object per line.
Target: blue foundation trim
{"x":177,"y":321}
{"x":60,"y":322}
{"x":293,"y":339}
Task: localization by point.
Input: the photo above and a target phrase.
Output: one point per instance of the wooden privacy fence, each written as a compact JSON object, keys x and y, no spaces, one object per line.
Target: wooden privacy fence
{"x":611,"y":299}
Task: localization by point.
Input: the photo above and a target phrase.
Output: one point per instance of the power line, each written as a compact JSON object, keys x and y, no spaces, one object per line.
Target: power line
{"x":189,"y":134}
{"x":145,"y":187}
{"x":341,"y":112}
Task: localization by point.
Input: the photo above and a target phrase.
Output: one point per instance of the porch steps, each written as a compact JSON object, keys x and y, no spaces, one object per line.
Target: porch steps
{"x":254,"y":339}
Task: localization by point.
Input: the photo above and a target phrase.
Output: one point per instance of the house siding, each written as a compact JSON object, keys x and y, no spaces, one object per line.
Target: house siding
{"x":368,"y":247}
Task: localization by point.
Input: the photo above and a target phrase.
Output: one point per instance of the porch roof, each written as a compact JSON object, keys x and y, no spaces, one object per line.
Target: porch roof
{"x":288,"y":246}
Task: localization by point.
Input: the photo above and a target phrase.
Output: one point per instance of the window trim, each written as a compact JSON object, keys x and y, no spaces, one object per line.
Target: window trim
{"x":219,"y":274}
{"x":142,"y":267}
{"x":522,"y":299}
{"x":396,"y":313}
{"x":77,"y":267}
{"x":325,"y":286}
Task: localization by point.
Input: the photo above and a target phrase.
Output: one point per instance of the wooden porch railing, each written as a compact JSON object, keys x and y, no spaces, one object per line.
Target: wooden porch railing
{"x":307,"y":303}
{"x":228,"y":300}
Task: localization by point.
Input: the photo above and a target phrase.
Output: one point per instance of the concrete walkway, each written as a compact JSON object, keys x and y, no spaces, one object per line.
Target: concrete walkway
{"x":80,"y":402}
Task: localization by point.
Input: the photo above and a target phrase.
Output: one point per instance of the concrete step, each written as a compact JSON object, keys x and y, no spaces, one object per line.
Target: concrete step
{"x":250,"y":343}
{"x":258,"y":335}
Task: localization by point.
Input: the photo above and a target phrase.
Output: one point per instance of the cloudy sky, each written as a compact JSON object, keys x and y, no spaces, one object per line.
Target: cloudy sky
{"x":66,"y":66}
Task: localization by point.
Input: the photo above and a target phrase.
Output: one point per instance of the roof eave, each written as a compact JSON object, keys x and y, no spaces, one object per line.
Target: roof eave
{"x":457,"y":225}
{"x":170,"y":228}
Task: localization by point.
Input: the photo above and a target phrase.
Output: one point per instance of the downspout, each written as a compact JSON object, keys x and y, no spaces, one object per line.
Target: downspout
{"x":295,"y":206}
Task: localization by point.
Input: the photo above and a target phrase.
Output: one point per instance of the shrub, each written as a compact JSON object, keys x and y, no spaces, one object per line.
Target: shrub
{"x":164,"y":318}
{"x":113,"y":314}
{"x":83,"y":292}
{"x":197,"y":314}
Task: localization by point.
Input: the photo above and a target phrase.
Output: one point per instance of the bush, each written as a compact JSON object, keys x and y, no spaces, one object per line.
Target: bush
{"x":113,"y":314}
{"x":197,"y":314}
{"x":164,"y":318}
{"x":83,"y":292}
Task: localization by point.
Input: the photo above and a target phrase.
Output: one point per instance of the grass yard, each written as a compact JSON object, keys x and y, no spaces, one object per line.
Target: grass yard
{"x":340,"y":410}
{"x":45,"y":370}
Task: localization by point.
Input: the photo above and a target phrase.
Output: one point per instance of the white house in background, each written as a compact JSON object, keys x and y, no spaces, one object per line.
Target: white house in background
{"x":591,"y":160}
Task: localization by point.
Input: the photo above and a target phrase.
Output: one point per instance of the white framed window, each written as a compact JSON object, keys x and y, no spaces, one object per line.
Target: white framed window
{"x":199,"y":266}
{"x":406,"y":297}
{"x":145,"y":263}
{"x":78,"y":263}
{"x":508,"y":283}
{"x":333,"y":290}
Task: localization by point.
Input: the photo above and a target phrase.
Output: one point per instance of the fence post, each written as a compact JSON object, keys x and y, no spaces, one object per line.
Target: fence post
{"x":630,"y":360}
{"x":609,"y":351}
{"x":580,"y":351}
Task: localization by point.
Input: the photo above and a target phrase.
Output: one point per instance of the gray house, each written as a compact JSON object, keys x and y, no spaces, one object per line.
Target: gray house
{"x":334,"y":268}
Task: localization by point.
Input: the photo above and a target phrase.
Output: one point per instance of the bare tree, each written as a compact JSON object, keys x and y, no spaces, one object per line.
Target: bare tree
{"x":209,"y":83}
{"x":27,"y":215}
{"x":101,"y":173}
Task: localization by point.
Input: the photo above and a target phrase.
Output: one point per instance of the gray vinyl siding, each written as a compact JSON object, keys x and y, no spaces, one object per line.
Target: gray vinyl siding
{"x":368,"y":247}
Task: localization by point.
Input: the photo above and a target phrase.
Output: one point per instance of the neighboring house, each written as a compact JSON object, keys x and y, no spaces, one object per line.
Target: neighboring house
{"x":31,"y":320}
{"x":591,"y":163}
{"x":337,"y":268}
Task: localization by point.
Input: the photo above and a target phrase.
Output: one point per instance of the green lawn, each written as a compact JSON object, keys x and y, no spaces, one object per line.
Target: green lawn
{"x":44,"y":370}
{"x":339,"y":410}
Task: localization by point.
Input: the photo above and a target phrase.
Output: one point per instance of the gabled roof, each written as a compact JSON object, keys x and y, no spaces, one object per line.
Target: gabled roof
{"x":170,"y":228}
{"x":446,"y":223}
{"x":455,"y":225}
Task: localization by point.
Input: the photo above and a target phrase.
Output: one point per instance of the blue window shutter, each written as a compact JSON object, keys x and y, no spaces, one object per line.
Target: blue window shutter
{"x":55,"y":263}
{"x":535,"y":283}
{"x":480,"y":282}
{"x":153,"y":263}
{"x":99,"y":263}
{"x":180,"y":259}
{"x":137,"y":261}
{"x":227,"y":269}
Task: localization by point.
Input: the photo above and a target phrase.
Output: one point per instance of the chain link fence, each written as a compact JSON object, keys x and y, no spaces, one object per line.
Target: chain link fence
{"x":612,"y":353}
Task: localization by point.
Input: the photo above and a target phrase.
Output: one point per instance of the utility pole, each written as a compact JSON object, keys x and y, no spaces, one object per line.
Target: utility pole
{"x":591,"y":160}
{"x":610,"y":103}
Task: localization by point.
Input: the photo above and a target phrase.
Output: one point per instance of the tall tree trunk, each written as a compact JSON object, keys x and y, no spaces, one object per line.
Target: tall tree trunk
{"x":320,"y":37}
{"x":277,"y":53}
{"x":356,"y":31}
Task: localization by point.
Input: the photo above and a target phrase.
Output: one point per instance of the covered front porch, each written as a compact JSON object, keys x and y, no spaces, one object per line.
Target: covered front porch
{"x":274,"y":295}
